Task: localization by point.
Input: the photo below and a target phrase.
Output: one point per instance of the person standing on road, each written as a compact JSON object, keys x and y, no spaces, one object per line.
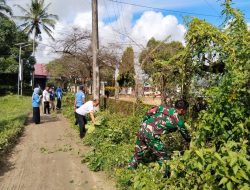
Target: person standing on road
{"x":46,"y":100}
{"x":35,"y":104}
{"x":79,"y":100}
{"x":81,"y":113}
{"x":158,"y":121}
{"x":59,"y":98}
{"x":52,"y":98}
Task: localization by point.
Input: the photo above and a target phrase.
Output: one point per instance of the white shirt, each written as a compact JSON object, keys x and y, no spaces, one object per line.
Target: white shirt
{"x":85,"y":108}
{"x":46,"y":95}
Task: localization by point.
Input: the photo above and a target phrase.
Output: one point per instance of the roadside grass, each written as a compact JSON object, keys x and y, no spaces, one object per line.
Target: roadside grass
{"x":13,"y":114}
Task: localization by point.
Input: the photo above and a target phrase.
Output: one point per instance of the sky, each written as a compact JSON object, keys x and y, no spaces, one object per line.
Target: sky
{"x":129,"y":22}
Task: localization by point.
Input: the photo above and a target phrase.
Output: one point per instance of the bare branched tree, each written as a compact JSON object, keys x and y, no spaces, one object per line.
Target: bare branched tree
{"x":75,"y":65}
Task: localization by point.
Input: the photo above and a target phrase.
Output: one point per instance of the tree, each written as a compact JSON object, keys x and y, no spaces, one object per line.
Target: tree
{"x":126,"y":70}
{"x":218,"y":157}
{"x":36,"y":18}
{"x":10,"y":35}
{"x":157,"y":62}
{"x":4,"y":8}
{"x":75,"y":65}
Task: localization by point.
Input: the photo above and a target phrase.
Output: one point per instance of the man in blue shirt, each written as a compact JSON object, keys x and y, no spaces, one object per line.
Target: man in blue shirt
{"x":59,"y":94}
{"x":79,"y":100}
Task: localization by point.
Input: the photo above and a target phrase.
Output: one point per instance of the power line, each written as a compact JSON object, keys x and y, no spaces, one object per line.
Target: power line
{"x":212,"y":7}
{"x":161,"y":9}
{"x":169,"y":10}
{"x":112,"y":28}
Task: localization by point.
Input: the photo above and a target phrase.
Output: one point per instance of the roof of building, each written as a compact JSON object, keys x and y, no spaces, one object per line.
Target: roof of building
{"x":40,"y":69}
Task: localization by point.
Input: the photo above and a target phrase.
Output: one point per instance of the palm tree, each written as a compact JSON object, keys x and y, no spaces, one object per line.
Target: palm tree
{"x":36,"y":18}
{"x":4,"y":9}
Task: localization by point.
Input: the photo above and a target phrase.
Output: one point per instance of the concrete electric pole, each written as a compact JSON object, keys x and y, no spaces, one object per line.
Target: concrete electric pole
{"x":20,"y":68}
{"x":95,"y":47}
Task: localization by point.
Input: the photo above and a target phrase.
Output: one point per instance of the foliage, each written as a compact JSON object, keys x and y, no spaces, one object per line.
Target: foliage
{"x":75,"y":64}
{"x":126,"y":70}
{"x":113,"y":145}
{"x":4,"y":8}
{"x":10,"y":35}
{"x":156,"y":61}
{"x":13,"y":113}
{"x":36,"y":18}
{"x":219,"y":153}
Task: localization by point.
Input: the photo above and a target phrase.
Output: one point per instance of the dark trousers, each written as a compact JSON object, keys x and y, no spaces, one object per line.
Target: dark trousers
{"x":76,"y":122}
{"x":36,"y":115}
{"x":81,"y":119}
{"x":46,"y":107}
{"x":59,"y":103}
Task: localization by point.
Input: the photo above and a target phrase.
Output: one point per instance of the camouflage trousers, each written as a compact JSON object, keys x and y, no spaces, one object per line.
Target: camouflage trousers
{"x":147,"y":147}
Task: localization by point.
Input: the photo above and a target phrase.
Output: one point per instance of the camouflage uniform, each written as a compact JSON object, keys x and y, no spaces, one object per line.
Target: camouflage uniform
{"x":157,"y":121}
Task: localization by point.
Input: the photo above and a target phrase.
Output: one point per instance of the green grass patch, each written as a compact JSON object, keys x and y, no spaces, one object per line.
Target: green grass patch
{"x":13,"y":113}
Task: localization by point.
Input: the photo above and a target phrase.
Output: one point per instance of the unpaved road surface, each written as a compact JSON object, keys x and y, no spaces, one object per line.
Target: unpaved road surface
{"x":48,"y":157}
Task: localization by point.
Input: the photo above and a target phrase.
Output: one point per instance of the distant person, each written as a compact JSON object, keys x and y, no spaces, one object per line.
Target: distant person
{"x":52,"y":98}
{"x":79,"y":100}
{"x":46,"y":100}
{"x":35,"y":104}
{"x":81,"y":113}
{"x":59,"y":98}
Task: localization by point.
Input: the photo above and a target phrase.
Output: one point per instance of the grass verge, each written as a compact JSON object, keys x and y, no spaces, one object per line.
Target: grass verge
{"x":13,"y":114}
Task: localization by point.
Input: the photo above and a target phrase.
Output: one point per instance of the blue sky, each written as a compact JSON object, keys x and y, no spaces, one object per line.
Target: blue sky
{"x":203,"y":7}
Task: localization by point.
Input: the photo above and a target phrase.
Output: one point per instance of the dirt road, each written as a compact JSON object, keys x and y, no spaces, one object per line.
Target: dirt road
{"x":48,"y":157}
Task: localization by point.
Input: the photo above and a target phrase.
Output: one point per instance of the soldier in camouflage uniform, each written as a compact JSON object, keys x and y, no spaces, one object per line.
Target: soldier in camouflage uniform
{"x":157,"y":121}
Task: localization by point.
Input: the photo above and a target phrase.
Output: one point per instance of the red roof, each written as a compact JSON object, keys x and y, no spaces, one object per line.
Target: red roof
{"x":40,"y":69}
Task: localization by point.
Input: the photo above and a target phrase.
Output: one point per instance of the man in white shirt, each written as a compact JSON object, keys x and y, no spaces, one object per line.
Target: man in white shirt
{"x":82,"y":111}
{"x":46,"y":99}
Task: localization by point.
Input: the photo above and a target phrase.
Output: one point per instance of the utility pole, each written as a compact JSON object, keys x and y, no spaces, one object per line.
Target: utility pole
{"x":95,"y":47}
{"x":20,"y":68}
{"x":21,"y":76}
{"x":116,"y":83}
{"x":33,"y":54}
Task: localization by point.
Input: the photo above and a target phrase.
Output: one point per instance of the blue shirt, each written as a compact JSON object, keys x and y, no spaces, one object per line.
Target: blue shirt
{"x":79,"y":98}
{"x":59,"y":93}
{"x":35,"y":100}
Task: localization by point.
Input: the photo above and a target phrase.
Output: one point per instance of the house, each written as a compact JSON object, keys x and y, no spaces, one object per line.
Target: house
{"x":41,"y":75}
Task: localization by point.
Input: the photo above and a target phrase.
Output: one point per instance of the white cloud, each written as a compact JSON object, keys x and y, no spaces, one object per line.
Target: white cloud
{"x":66,"y":10}
{"x":84,"y":20}
{"x":248,"y":26}
{"x":150,"y":24}
{"x":153,"y":24}
{"x":78,"y":12}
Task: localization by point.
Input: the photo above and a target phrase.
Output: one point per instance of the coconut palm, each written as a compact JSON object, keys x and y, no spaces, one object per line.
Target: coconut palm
{"x":4,"y":9}
{"x":36,"y":18}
